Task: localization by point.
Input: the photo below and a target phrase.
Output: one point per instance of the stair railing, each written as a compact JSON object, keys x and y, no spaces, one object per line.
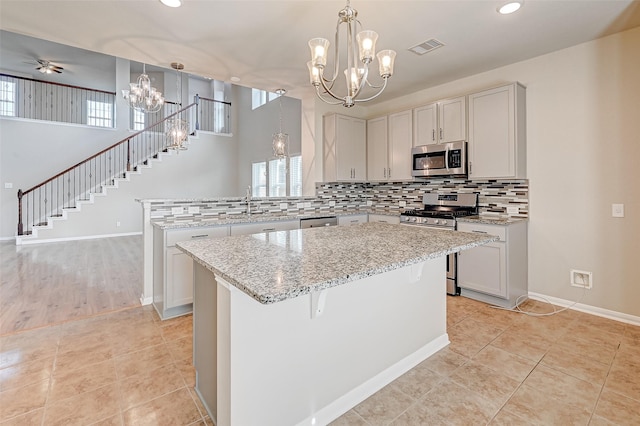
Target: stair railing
{"x":78,"y":182}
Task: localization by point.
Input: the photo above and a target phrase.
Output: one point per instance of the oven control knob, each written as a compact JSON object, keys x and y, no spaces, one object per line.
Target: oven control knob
{"x":437,"y":221}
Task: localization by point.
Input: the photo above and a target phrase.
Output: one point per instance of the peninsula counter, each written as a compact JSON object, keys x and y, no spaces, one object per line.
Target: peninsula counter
{"x":297,"y":327}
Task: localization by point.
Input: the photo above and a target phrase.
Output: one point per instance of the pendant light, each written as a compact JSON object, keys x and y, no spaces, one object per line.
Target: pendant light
{"x":280,"y":139}
{"x":177,"y":128}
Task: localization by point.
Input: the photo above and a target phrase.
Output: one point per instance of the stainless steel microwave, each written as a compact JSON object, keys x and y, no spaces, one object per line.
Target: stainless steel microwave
{"x":447,"y":159}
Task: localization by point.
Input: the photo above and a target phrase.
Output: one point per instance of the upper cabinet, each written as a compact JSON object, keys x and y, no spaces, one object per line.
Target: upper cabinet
{"x":440,"y":122}
{"x":344,"y":148}
{"x":497,"y":133}
{"x":389,"y":142}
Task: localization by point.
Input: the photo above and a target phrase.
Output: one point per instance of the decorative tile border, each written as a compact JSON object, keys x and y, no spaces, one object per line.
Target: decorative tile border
{"x":495,"y":197}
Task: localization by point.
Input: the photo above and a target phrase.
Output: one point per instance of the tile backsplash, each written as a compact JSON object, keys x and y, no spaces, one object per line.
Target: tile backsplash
{"x":497,"y":198}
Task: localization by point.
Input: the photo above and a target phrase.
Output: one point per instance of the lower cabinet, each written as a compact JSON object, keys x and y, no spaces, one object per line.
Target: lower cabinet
{"x":256,"y":228}
{"x":355,"y":219}
{"x":394,"y":220}
{"x":495,"y":272}
{"x":173,"y":269}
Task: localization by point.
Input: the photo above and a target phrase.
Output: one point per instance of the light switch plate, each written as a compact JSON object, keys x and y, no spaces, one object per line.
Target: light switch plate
{"x":8,"y":185}
{"x":332,"y":203}
{"x":512,"y":210}
{"x":402,"y":203}
{"x":617,"y":210}
{"x":177,"y":210}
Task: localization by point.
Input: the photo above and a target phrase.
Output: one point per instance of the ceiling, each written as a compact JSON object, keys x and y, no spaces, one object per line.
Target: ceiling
{"x":264,"y":43}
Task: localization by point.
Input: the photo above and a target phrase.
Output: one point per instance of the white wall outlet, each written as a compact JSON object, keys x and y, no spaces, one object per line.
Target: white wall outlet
{"x":581,"y":279}
{"x":513,"y":210}
{"x":617,"y":210}
{"x":369,"y":203}
{"x":8,"y":185}
{"x":194,"y":209}
{"x":177,"y":210}
{"x":300,"y":205}
{"x":283,"y":206}
{"x":307,"y":205}
{"x":117,"y":224}
{"x":332,"y":203}
{"x":402,"y":203}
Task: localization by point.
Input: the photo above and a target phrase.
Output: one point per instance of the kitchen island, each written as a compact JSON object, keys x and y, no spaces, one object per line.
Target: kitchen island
{"x":297,"y":327}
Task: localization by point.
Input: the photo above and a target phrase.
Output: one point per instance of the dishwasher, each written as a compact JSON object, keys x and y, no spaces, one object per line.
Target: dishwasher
{"x":318,"y":222}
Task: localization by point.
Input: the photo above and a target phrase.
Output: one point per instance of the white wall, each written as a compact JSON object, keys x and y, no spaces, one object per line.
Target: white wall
{"x":583,"y":127}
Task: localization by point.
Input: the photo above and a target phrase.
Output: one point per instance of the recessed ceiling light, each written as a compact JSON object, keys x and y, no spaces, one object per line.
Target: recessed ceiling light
{"x":235,"y":79}
{"x":510,"y":7}
{"x":172,"y":3}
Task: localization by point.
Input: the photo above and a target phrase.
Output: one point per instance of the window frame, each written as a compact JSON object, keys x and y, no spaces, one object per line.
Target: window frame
{"x":6,"y":101}
{"x":288,"y":181}
{"x":106,"y":107}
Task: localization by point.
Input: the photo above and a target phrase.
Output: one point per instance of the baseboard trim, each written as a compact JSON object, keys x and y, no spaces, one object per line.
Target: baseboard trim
{"x":145,"y":300}
{"x":588,"y":309}
{"x":85,"y":237}
{"x":7,"y":238}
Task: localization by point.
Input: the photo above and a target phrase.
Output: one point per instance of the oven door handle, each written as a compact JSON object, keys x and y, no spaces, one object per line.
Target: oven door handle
{"x":446,"y":157}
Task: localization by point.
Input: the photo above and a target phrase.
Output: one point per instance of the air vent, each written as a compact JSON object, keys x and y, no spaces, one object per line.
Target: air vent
{"x":426,"y":46}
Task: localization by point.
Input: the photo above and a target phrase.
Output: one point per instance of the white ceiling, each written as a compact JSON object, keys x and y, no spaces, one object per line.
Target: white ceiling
{"x":264,"y":43}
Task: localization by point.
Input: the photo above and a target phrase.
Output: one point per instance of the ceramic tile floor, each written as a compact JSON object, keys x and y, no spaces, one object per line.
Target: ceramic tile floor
{"x":502,"y":368}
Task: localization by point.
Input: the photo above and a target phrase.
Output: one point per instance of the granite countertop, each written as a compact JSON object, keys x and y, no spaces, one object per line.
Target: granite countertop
{"x":201,"y":221}
{"x":489,"y":220}
{"x":282,"y":265}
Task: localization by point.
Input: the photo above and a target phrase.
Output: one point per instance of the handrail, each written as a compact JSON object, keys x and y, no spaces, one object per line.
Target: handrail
{"x":57,"y":84}
{"x":107,"y":149}
{"x":215,"y":100}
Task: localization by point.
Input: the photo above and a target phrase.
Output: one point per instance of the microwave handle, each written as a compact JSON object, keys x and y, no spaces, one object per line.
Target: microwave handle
{"x":446,"y":157}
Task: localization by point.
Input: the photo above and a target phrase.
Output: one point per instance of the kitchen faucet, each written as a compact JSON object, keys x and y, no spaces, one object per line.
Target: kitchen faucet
{"x":248,"y":199}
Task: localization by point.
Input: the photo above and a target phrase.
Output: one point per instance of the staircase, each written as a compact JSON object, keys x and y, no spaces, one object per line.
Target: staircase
{"x":55,"y":199}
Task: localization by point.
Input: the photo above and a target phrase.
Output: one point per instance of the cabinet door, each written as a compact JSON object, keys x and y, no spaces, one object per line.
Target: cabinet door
{"x":484,"y":269}
{"x":425,"y":125}
{"x":492,"y":133}
{"x":377,"y":161}
{"x":452,"y":119}
{"x":400,"y":144}
{"x":358,"y":144}
{"x":179,"y":290}
{"x":343,"y":148}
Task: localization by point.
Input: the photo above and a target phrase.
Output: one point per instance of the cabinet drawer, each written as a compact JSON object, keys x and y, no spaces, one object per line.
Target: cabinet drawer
{"x":352,"y":220}
{"x":256,"y":228}
{"x":482,"y":228}
{"x":195,"y":233}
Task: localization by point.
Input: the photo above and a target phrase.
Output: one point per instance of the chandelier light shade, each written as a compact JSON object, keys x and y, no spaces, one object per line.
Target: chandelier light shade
{"x":362,"y":44}
{"x":177,"y":129}
{"x":141,"y":96}
{"x":280,"y":139}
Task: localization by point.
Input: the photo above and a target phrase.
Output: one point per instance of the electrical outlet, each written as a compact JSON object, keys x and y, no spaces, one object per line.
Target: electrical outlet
{"x":512,"y":210}
{"x":177,"y":210}
{"x":617,"y":210}
{"x":117,"y":224}
{"x":283,"y":206}
{"x":300,"y":205}
{"x":581,"y":279}
{"x":402,"y":203}
{"x":8,"y":185}
{"x":194,"y":209}
{"x":332,"y":203}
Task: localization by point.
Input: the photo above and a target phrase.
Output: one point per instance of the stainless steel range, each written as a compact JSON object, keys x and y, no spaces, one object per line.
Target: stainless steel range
{"x":441,"y":211}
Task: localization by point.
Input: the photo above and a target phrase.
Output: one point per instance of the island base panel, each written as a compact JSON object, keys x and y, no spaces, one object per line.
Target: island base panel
{"x":309,"y":359}
{"x":205,"y":327}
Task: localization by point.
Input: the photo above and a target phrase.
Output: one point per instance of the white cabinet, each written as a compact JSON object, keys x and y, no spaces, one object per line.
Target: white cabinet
{"x":394,"y":220}
{"x":377,"y":149}
{"x":344,"y":148}
{"x":352,"y":220}
{"x":497,"y":133}
{"x":440,"y":122}
{"x":400,"y":144}
{"x":495,"y":272}
{"x":173,"y":269}
{"x":389,"y":143}
{"x":255,"y":228}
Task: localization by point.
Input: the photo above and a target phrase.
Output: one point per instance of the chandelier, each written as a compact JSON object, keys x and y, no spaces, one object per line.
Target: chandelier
{"x":280,"y":140}
{"x":177,"y":128}
{"x":141,"y":96}
{"x":360,"y":47}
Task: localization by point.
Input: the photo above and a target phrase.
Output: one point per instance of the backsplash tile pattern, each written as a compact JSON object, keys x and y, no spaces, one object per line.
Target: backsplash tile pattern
{"x":495,"y":196}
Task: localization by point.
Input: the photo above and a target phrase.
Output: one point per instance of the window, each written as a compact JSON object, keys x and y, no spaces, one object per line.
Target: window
{"x":282,"y":182}
{"x":99,"y":114}
{"x":261,"y":97}
{"x":259,"y":179}
{"x":8,"y":98}
{"x":137,"y":119}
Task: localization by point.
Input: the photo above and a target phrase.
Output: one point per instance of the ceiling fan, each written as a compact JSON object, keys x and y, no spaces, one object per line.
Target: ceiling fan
{"x":47,"y":67}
